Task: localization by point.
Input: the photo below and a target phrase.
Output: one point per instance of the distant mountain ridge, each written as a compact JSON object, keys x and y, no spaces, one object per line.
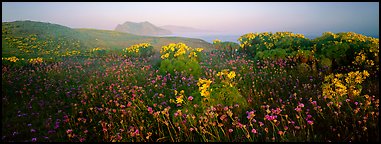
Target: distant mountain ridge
{"x":142,"y":28}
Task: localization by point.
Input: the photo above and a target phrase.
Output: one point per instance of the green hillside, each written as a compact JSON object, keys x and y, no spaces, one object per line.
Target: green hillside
{"x":39,"y":39}
{"x":119,"y":40}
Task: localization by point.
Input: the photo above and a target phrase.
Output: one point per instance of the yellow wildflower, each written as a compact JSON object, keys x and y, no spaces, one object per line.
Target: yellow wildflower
{"x":205,"y":93}
{"x":365,"y":73}
{"x":231,"y":75}
{"x":179,"y":100}
{"x":216,"y":41}
{"x":199,"y":49}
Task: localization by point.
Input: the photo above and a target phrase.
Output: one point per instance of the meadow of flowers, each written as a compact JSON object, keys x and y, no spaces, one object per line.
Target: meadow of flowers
{"x":277,"y":87}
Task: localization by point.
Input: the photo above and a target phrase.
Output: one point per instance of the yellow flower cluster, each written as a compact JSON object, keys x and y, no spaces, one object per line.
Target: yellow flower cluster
{"x":177,"y":50}
{"x":96,"y":49}
{"x":247,"y":39}
{"x":11,"y":59}
{"x":164,"y":56}
{"x":199,"y":49}
{"x":35,"y":60}
{"x":356,"y":77}
{"x":71,"y":53}
{"x":226,"y":72}
{"x":339,"y":85}
{"x":230,"y":75}
{"x":135,"y":48}
{"x":24,"y":44}
{"x":180,"y":97}
{"x":204,"y":86}
{"x":216,"y":41}
{"x":362,"y":59}
{"x":192,"y":54}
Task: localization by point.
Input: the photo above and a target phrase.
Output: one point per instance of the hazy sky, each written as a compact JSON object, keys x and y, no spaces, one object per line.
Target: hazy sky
{"x":226,"y":17}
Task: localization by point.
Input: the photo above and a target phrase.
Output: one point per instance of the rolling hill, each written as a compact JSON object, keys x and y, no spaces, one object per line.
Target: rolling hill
{"x":54,"y":37}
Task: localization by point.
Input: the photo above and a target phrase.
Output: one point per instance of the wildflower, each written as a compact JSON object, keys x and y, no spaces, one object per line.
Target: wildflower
{"x":365,"y":73}
{"x":69,"y":131}
{"x":216,"y":41}
{"x":254,"y":131}
{"x":231,"y":75}
{"x":298,"y":109}
{"x":230,"y":113}
{"x":240,"y":125}
{"x":136,"y":132}
{"x":82,"y":140}
{"x":230,"y":130}
{"x":148,"y":135}
{"x":281,"y":133}
{"x":310,"y":122}
{"x":34,"y":139}
{"x":179,"y":100}
{"x":32,"y":130}
{"x":250,"y":115}
{"x":205,"y":93}
{"x":314,"y":103}
{"x":223,"y":117}
{"x":190,"y":98}
{"x":150,"y":110}
{"x":199,"y":49}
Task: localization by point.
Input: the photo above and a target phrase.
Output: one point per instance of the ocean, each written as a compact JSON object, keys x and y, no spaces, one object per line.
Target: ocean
{"x":209,"y":37}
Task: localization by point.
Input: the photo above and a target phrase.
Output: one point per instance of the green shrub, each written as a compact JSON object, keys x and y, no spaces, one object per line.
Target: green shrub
{"x":253,"y":43}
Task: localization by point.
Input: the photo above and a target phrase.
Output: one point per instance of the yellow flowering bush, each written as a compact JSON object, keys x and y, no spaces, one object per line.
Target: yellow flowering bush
{"x":97,"y":51}
{"x":11,"y":59}
{"x":347,"y":48}
{"x":137,"y":50}
{"x":181,"y":58}
{"x":179,"y":50}
{"x":221,"y":91}
{"x":71,"y":53}
{"x":252,"y":43}
{"x":216,"y":41}
{"x":339,"y":87}
{"x":35,"y":60}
